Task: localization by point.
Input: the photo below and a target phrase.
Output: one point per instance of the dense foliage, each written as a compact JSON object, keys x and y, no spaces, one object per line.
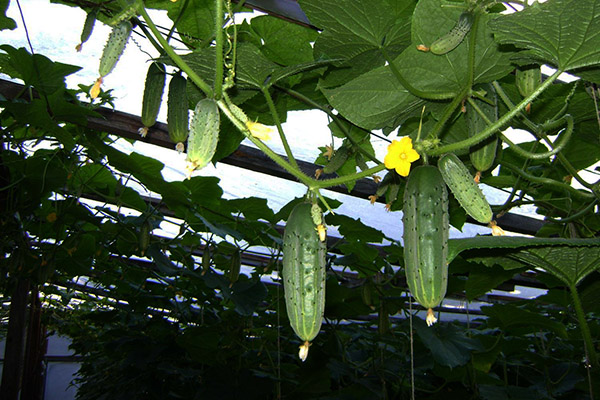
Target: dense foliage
{"x":160,"y":316}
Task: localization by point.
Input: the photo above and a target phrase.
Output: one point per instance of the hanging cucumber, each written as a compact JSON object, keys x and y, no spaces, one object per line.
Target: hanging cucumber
{"x":88,"y":27}
{"x":203,"y":135}
{"x":452,"y":39}
{"x":153,"y":92}
{"x":483,"y":154}
{"x":178,"y":119}
{"x":527,"y":80}
{"x":464,"y":188}
{"x":115,"y":45}
{"x":340,"y":156}
{"x":426,"y":229}
{"x":304,"y":275}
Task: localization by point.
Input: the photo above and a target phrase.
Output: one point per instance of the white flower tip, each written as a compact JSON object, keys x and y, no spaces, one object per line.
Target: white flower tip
{"x":180,"y":147}
{"x":431,"y":319}
{"x":303,"y":353}
{"x":143,"y":131}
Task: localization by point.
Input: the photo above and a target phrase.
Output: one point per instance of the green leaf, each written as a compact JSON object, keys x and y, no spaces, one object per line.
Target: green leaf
{"x":483,"y":279}
{"x":356,"y":32}
{"x":562,"y":33}
{"x":355,"y":229}
{"x":39,"y":71}
{"x":196,"y":22}
{"x":373,"y":100}
{"x":449,"y":346}
{"x":6,"y":22}
{"x":449,"y":72}
{"x":457,"y":246}
{"x":247,"y":295}
{"x":282,"y":42}
{"x":512,"y":318}
{"x":253,"y":208}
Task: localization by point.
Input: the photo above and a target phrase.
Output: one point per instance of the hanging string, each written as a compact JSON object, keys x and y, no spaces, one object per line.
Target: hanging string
{"x":412,"y":358}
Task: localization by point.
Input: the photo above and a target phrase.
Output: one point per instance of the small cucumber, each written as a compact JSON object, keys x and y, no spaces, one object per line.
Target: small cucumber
{"x":426,"y":230}
{"x":464,"y":188}
{"x":115,"y":45}
{"x":483,"y":154}
{"x":528,"y":79}
{"x":452,"y":39}
{"x":178,"y":117}
{"x":337,"y":160}
{"x":144,"y":238}
{"x":204,"y":134}
{"x":88,"y":27}
{"x":153,"y":92}
{"x":303,"y":275}
{"x":235,"y":267}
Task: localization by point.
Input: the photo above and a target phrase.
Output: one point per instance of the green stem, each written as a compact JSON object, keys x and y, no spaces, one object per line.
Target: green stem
{"x":590,"y":351}
{"x":295,"y":171}
{"x":348,"y":178}
{"x":411,"y":88}
{"x":490,"y":130}
{"x":575,"y":216}
{"x":218,"y":49}
{"x":335,"y":118}
{"x":275,"y":115}
{"x":549,"y":182}
{"x":176,"y":57}
{"x":435,"y":131}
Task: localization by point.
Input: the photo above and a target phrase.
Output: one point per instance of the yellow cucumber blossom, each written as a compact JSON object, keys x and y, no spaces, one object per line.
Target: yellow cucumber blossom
{"x":400,"y":155}
{"x":259,"y":130}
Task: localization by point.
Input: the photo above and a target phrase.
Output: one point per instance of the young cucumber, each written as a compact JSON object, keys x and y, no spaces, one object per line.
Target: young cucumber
{"x":464,"y":188}
{"x":178,"y":119}
{"x":203,"y":135}
{"x":153,"y":92}
{"x":114,"y":47}
{"x":452,"y":39}
{"x":304,"y":275}
{"x":483,"y":154}
{"x":426,"y":229}
{"x":528,"y":79}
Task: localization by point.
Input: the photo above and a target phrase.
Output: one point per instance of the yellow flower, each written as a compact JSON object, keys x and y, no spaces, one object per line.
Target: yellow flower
{"x":259,"y":130}
{"x":400,"y":155}
{"x":95,"y":91}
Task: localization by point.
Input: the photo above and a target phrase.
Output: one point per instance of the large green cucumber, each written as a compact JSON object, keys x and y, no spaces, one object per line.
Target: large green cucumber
{"x":153,"y":92}
{"x":303,"y":275}
{"x":483,"y":154}
{"x":464,"y":188}
{"x":204,"y":134}
{"x":178,"y":116}
{"x":426,"y":229}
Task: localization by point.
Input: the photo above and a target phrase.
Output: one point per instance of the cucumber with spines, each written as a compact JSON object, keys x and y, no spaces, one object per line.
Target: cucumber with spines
{"x":455,"y":36}
{"x":88,"y":27}
{"x":203,"y":135}
{"x":304,"y":272}
{"x":426,"y":230}
{"x":465,"y":189}
{"x":115,"y":45}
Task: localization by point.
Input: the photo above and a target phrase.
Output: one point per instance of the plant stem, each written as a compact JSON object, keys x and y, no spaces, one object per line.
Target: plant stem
{"x":275,"y":115}
{"x":435,"y":131}
{"x":176,"y":57}
{"x":490,"y":130}
{"x":348,"y":178}
{"x":590,"y":351}
{"x":218,"y":49}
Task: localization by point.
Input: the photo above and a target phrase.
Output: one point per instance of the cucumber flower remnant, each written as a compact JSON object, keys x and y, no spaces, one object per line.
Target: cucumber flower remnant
{"x":400,"y":155}
{"x":259,"y":130}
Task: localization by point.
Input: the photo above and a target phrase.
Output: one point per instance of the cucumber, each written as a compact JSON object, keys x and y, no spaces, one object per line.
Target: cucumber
{"x":303,"y":275}
{"x":178,"y":118}
{"x":455,"y":36}
{"x":144,"y":238}
{"x":235,"y":266}
{"x":115,"y":45}
{"x":483,"y":154}
{"x":204,"y":134}
{"x":528,"y":79}
{"x":426,"y":229}
{"x":337,"y":160}
{"x":464,"y":188}
{"x":88,"y":27}
{"x":153,"y":92}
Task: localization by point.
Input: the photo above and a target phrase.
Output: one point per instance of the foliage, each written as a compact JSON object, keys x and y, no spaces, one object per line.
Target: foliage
{"x":147,"y":287}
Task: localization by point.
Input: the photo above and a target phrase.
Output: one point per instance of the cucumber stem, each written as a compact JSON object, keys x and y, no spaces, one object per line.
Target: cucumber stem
{"x":275,"y":115}
{"x":490,"y":130}
{"x":218,"y":49}
{"x":176,"y":57}
{"x":590,"y":351}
